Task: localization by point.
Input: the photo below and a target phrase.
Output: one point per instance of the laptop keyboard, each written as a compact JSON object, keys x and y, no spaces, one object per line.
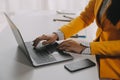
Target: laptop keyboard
{"x":48,"y":48}
{"x":44,"y":54}
{"x":44,"y":58}
{"x":51,"y":47}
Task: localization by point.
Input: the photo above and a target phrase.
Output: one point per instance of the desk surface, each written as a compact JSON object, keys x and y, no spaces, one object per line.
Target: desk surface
{"x":15,"y":66}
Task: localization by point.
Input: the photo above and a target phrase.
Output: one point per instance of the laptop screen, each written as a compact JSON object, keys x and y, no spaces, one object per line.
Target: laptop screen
{"x":17,"y":34}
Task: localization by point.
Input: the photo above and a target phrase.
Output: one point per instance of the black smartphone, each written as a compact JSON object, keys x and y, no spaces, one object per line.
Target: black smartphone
{"x":79,"y":65}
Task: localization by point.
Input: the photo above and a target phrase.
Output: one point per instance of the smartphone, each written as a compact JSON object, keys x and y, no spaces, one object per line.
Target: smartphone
{"x":79,"y":65}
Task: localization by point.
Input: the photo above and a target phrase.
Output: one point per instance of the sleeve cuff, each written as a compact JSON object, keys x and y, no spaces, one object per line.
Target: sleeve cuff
{"x":86,"y":44}
{"x":86,"y":51}
{"x":60,"y":34}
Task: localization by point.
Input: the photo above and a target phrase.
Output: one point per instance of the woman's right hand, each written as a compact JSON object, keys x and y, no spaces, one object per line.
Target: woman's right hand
{"x":47,"y":39}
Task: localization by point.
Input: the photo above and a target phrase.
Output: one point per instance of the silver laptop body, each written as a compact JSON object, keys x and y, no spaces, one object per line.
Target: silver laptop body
{"x":43,"y":56}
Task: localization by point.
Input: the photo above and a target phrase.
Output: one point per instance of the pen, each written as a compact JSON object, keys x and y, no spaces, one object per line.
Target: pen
{"x":67,"y":17}
{"x":78,"y":36}
{"x":61,"y":20}
{"x":60,"y":12}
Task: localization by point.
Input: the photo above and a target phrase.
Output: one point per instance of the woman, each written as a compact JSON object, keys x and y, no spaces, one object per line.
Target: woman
{"x":107,"y":42}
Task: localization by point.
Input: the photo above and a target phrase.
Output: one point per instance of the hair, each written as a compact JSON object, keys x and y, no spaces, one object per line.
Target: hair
{"x":113,"y":12}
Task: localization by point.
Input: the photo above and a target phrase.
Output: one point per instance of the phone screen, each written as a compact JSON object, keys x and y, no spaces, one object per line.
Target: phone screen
{"x":79,"y":65}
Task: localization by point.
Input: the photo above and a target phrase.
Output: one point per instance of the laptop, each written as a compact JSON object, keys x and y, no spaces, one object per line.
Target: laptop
{"x":45,"y":55}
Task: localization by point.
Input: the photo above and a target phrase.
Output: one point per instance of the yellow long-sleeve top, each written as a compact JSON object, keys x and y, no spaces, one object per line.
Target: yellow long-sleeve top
{"x":107,"y":42}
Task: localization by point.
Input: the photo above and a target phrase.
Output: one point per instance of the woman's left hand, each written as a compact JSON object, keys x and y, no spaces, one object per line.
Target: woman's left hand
{"x":71,"y":46}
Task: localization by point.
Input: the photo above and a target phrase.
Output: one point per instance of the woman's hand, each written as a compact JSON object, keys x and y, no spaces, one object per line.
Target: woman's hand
{"x":47,"y":39}
{"x":71,"y":46}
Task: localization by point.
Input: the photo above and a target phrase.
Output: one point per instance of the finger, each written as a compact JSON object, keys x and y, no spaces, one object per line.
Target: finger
{"x":35,"y":42}
{"x":64,"y":43}
{"x":63,"y":48}
{"x":48,"y":41}
{"x":43,"y":37}
{"x":67,"y":49}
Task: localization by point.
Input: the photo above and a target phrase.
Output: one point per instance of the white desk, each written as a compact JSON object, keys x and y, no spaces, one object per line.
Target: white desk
{"x":15,"y":66}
